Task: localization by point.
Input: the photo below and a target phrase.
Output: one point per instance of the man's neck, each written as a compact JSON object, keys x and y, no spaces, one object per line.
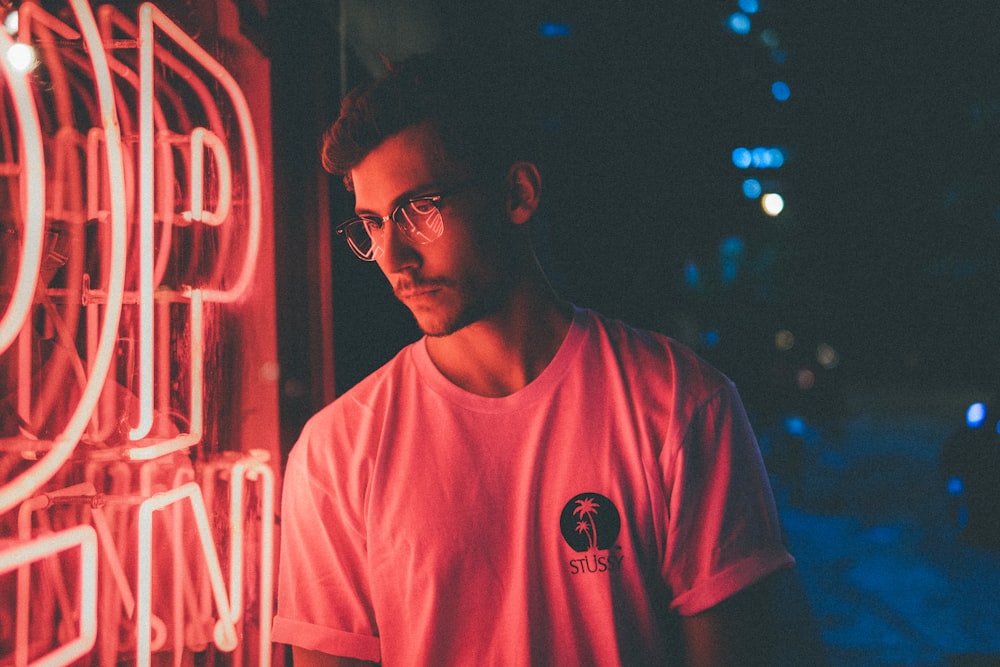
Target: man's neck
{"x":504,"y":352}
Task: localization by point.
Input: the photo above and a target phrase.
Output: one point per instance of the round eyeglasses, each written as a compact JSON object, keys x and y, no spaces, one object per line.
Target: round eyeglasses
{"x":418,"y":219}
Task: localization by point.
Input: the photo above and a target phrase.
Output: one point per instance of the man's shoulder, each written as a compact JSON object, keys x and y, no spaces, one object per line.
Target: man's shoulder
{"x":654,"y":353}
{"x":378,"y":385}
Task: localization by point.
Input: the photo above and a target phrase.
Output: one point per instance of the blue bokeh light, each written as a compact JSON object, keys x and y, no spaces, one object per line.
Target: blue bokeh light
{"x":750,"y":6}
{"x":759,"y":157}
{"x":739,"y":23}
{"x":554,"y":29}
{"x":692,"y":274}
{"x":955,"y":486}
{"x":975,"y":415}
{"x":752,"y":188}
{"x":781,"y":91}
{"x":795,"y":425}
{"x":767,"y":158}
{"x":742,"y":158}
{"x":732,"y":246}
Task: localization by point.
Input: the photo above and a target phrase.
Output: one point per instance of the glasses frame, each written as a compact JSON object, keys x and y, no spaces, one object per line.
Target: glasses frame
{"x":434,"y":198}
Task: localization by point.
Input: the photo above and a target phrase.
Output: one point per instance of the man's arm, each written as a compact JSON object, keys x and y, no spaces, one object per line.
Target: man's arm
{"x":768,"y":624}
{"x":305,"y":658}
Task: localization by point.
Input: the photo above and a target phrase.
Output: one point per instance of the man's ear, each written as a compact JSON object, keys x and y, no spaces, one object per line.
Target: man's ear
{"x":524,"y":191}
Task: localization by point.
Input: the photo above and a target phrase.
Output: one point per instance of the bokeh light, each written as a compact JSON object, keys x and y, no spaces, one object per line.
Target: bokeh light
{"x":827,"y":356}
{"x":692,"y":274}
{"x":554,"y":29}
{"x":975,"y":415}
{"x":784,"y":340}
{"x":805,"y":379}
{"x":21,"y":57}
{"x":742,"y":158}
{"x":739,"y":23}
{"x":772,"y":203}
{"x":781,"y":91}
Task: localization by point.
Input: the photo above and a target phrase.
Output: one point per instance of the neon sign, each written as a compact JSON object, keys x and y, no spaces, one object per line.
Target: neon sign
{"x":130,"y":224}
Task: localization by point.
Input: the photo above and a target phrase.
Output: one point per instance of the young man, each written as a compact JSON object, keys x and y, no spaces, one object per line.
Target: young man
{"x":530,"y":483}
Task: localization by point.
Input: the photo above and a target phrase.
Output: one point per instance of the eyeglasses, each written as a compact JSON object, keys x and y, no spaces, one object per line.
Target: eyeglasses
{"x":418,"y":220}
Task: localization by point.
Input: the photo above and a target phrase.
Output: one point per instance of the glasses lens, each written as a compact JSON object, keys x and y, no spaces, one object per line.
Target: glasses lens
{"x":359,"y":239}
{"x":420,"y":220}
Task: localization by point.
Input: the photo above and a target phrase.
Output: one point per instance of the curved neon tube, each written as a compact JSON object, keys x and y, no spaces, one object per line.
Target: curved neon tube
{"x":148,"y":13}
{"x":147,"y":196}
{"x":200,"y":139}
{"x":31,"y":479}
{"x":33,"y":188}
{"x":226,"y":638}
{"x":197,"y":422}
{"x":41,"y":547}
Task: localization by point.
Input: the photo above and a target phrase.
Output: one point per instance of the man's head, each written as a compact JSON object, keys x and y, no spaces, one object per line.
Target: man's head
{"x":481,"y":108}
{"x":436,"y":161}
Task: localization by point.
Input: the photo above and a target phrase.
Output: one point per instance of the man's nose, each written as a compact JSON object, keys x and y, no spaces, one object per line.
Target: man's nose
{"x":398,"y":252}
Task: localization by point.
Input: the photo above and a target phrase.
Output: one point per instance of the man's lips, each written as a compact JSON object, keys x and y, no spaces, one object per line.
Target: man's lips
{"x":409,"y":290}
{"x":412,"y":293}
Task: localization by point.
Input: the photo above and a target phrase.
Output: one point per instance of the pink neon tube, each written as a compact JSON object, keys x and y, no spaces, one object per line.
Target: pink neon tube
{"x":197,"y":421}
{"x":33,"y":190}
{"x":34,"y":477}
{"x":149,"y":14}
{"x":47,"y":545}
{"x":225,"y":632}
{"x":147,"y":199}
{"x":200,"y":139}
{"x":251,"y":469}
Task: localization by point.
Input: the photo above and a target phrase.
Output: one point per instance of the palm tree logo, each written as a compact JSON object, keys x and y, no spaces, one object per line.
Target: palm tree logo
{"x":586,"y":508}
{"x":590,"y":522}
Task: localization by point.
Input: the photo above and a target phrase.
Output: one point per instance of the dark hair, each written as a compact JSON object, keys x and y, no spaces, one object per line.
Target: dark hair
{"x":481,"y":107}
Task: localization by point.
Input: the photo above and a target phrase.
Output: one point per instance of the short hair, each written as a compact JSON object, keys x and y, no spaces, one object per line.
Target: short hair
{"x":481,"y":108}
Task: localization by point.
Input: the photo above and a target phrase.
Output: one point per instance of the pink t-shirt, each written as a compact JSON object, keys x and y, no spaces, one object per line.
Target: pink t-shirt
{"x":568,"y":523}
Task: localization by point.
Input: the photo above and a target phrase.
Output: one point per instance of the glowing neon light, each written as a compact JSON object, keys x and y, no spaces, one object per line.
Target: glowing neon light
{"x":197,"y":403}
{"x":31,"y":479}
{"x":113,"y":190}
{"x":252,"y":469}
{"x":200,"y":139}
{"x":32,"y":184}
{"x":30,"y":12}
{"x":25,"y":553}
{"x":225,"y":632}
{"x":149,"y":14}
{"x":146,"y":203}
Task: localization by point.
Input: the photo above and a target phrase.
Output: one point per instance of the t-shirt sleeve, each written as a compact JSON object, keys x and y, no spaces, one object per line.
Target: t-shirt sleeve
{"x":723,"y":528}
{"x":324,"y":601}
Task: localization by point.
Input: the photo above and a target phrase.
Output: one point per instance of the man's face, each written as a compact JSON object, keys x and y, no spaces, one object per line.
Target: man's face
{"x":457,"y":279}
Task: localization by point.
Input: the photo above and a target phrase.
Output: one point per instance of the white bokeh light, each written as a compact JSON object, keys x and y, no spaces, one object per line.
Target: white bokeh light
{"x":772,"y":203}
{"x":21,"y":57}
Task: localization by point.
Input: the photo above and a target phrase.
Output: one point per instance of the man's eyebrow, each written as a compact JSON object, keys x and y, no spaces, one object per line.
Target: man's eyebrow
{"x":400,"y":200}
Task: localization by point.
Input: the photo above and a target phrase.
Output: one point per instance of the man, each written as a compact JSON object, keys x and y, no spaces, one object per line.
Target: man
{"x":530,"y":483}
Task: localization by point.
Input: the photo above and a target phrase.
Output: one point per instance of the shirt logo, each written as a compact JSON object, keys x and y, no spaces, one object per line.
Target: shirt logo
{"x":590,"y":523}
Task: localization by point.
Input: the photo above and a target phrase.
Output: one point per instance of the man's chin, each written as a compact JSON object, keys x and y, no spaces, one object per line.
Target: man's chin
{"x":440,"y":325}
{"x":437,"y":327}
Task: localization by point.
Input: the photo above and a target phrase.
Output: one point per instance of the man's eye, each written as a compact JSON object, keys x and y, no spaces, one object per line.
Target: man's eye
{"x":372,"y":224}
{"x":422,"y":206}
